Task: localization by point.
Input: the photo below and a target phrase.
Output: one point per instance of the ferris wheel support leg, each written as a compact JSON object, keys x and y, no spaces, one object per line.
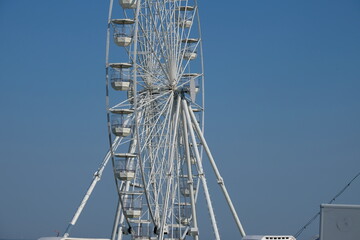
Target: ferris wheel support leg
{"x":190,"y":178}
{"x":170,"y":174}
{"x":97,"y":177}
{"x":217,"y":173}
{"x":201,"y":172}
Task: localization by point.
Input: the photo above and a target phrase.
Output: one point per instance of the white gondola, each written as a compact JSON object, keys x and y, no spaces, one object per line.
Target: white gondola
{"x":185,"y":191}
{"x":190,"y":84}
{"x":120,"y":76}
{"x":119,"y":126}
{"x":123,"y":31}
{"x":190,"y":45}
{"x":128,"y":4}
{"x":125,"y":166}
{"x":183,"y":214}
{"x":184,"y":16}
{"x":132,"y":204}
{"x":184,"y":187}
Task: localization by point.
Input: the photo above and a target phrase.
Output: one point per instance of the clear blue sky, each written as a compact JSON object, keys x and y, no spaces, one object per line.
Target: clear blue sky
{"x":282,"y":119}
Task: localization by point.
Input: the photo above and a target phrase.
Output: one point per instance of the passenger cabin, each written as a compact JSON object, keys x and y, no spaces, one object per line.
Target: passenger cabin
{"x":184,"y":213}
{"x":120,"y":125}
{"x":120,"y":75}
{"x":189,"y":48}
{"x":125,"y":166}
{"x":123,"y":30}
{"x":185,"y":187}
{"x":128,"y":4}
{"x":190,"y":82}
{"x":132,"y":204}
{"x":185,"y":16}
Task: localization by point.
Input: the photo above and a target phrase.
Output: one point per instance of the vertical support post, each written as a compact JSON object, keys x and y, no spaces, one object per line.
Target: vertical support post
{"x":201,"y":172}
{"x":217,"y":173}
{"x":190,"y":177}
{"x":169,"y":174}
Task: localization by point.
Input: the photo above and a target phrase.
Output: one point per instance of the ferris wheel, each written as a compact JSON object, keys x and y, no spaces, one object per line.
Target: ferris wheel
{"x":155,"y":113}
{"x":155,"y":102}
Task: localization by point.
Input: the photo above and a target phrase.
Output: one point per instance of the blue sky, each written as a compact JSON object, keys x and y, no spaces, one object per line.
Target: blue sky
{"x":282,"y":117}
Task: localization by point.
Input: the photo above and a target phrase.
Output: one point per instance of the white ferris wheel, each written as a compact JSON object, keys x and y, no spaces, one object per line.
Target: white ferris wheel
{"x":155,"y":112}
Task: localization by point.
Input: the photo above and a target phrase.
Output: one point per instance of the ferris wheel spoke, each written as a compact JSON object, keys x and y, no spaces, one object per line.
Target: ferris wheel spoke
{"x":153,"y":45}
{"x":146,"y":138}
{"x":164,"y":25}
{"x":148,"y":73}
{"x":170,"y":169}
{"x":150,"y":101}
{"x":161,"y":151}
{"x":127,"y":102}
{"x":151,"y":28}
{"x":163,"y":133}
{"x":188,"y":61}
{"x":147,"y":186}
